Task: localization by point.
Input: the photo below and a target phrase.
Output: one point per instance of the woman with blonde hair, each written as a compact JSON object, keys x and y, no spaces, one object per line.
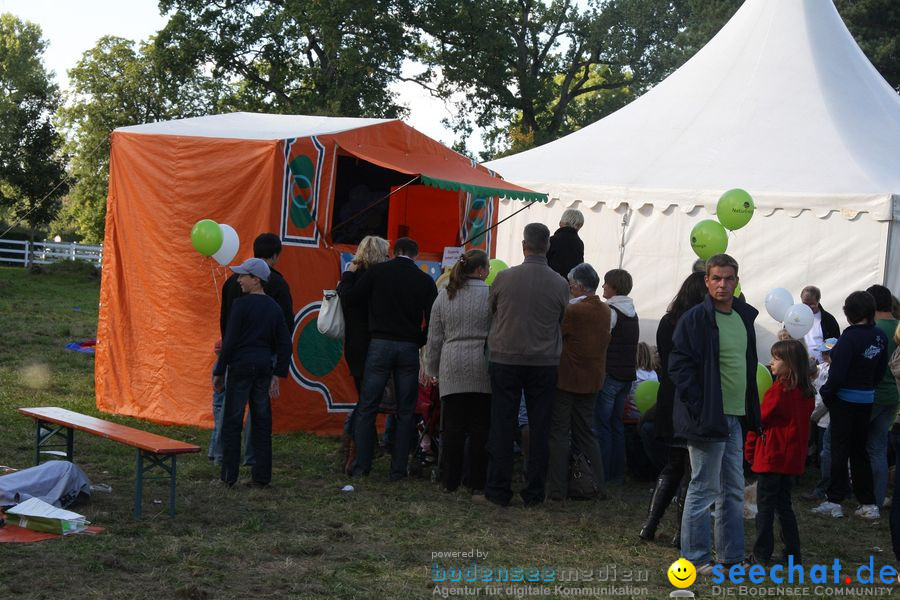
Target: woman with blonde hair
{"x":454,"y":355}
{"x":371,"y":251}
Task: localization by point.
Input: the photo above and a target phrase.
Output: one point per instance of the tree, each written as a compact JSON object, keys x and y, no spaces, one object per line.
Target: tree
{"x":544,"y":65}
{"x":875,"y":24}
{"x":32,"y":170}
{"x":297,"y":56}
{"x":114,"y":85}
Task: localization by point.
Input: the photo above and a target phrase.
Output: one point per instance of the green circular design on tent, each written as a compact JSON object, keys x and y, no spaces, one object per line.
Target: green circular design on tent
{"x":302,"y":172}
{"x":302,"y":165}
{"x":318,"y":354}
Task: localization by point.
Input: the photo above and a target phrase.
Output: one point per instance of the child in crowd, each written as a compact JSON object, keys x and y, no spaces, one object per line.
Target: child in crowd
{"x":822,"y":420}
{"x":645,"y":370}
{"x":779,"y":453}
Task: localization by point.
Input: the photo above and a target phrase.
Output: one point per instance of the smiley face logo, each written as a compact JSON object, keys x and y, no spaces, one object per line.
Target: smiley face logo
{"x":682,"y":573}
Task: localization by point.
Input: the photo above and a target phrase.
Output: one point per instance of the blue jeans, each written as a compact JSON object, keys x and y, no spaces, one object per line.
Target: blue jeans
{"x":609,"y":428}
{"x":717,"y":479}
{"x":247,"y":385}
{"x":876,"y":445}
{"x":216,"y":445}
{"x":824,"y":464}
{"x":384,"y":358}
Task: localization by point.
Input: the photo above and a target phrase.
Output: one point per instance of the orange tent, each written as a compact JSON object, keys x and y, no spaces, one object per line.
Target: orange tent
{"x":317,"y":182}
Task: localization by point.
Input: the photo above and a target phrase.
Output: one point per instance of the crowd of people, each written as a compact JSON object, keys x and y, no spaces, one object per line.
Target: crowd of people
{"x":553,"y":340}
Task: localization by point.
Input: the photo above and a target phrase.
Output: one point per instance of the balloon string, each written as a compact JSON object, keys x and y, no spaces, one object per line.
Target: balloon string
{"x":216,"y":283}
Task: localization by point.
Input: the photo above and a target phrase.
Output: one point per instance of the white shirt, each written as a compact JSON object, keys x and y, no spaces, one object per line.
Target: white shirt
{"x":813,"y":339}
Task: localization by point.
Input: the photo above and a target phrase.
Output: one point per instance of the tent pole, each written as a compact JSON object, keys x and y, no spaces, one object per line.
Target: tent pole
{"x":498,"y":223}
{"x":626,"y":217}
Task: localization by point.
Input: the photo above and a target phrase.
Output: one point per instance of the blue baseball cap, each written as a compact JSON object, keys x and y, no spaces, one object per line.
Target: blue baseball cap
{"x":253,"y":266}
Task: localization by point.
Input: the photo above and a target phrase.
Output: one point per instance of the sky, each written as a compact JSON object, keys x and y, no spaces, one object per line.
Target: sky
{"x":73,"y":26}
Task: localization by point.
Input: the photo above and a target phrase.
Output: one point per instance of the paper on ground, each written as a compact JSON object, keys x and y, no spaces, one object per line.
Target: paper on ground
{"x":38,"y":515}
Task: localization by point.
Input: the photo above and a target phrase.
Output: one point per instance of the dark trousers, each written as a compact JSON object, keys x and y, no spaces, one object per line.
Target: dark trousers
{"x":384,"y":358}
{"x":465,"y":415}
{"x":849,"y":434}
{"x":895,"y":503}
{"x":248,"y":385}
{"x":508,"y":383}
{"x":773,"y":496}
{"x":572,"y":414}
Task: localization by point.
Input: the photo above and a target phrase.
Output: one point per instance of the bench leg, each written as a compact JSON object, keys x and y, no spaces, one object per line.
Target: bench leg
{"x":44,"y":432}
{"x":37,"y":442}
{"x":166,"y":463}
{"x":70,"y":444}
{"x":138,"y":483}
{"x":172,"y":487}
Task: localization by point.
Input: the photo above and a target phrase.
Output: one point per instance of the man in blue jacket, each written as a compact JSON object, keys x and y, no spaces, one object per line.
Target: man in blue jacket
{"x":713,"y":366}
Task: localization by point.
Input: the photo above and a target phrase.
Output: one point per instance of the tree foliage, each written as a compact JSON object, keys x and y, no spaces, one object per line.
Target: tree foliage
{"x":118,"y":83}
{"x":297,"y":56}
{"x":32,"y":172}
{"x":875,"y":24}
{"x":545,"y":66}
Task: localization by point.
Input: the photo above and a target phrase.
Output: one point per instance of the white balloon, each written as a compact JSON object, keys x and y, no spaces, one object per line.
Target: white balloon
{"x":798,"y":320}
{"x":778,"y":301}
{"x":230,"y":244}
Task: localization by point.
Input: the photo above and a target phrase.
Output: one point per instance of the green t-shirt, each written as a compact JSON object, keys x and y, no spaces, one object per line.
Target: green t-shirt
{"x":886,"y":390}
{"x":732,"y":362}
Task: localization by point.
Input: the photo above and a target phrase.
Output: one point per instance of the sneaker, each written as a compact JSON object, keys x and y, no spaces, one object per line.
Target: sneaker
{"x":829,"y":508}
{"x":868,"y":511}
{"x":705,"y":569}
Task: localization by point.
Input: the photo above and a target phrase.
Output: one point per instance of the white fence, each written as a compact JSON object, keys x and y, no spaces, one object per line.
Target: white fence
{"x":27,"y":253}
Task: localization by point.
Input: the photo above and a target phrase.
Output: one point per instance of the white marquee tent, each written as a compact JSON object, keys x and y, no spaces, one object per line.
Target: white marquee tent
{"x":782,"y":103}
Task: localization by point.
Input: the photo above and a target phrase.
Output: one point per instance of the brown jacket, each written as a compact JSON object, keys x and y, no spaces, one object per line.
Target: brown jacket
{"x":585,"y":333}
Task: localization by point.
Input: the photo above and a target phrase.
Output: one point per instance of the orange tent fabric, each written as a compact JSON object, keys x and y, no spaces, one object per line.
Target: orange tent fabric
{"x":159,"y":298}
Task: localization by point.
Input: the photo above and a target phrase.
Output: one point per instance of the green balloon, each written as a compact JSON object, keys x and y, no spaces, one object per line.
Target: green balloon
{"x":763,"y":380}
{"x":735,"y":209}
{"x":737,"y":290}
{"x":206,"y":237}
{"x":497,"y":265}
{"x":708,"y":238}
{"x":645,"y":395}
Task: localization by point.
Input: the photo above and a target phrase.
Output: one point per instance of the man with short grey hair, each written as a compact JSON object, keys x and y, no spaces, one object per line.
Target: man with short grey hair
{"x":528,"y":302}
{"x":566,"y":248}
{"x":824,"y":324}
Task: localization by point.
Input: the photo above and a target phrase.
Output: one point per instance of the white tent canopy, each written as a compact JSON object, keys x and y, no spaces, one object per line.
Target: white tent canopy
{"x":782,"y":103}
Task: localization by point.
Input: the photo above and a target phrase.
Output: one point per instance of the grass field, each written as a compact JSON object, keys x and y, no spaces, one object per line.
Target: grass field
{"x":304,"y":538}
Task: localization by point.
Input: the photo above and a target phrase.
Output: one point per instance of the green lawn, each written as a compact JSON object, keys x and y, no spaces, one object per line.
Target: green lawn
{"x":303,"y":538}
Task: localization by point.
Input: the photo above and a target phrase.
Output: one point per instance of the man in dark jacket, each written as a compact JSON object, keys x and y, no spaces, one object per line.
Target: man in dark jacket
{"x":399,"y":296}
{"x":825,"y":326}
{"x":713,"y":366}
{"x":267,"y":247}
{"x":566,"y":248}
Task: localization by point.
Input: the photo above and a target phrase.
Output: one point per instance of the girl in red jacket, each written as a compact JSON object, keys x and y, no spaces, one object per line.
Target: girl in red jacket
{"x":779,"y":452}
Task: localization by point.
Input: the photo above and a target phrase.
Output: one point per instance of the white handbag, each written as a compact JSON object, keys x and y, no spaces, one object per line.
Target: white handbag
{"x":331,"y":317}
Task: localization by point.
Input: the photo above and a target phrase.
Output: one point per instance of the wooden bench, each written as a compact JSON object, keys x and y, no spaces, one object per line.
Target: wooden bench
{"x":157,"y":450}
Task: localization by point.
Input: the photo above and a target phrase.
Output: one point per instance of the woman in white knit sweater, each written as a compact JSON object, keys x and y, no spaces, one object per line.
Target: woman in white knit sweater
{"x":459,"y":325}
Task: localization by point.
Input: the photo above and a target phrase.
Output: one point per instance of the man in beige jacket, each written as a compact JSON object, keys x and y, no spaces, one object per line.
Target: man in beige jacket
{"x":528,"y":302}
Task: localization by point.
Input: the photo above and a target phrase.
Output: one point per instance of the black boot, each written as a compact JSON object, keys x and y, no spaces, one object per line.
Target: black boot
{"x":665,"y":489}
{"x":679,"y":511}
